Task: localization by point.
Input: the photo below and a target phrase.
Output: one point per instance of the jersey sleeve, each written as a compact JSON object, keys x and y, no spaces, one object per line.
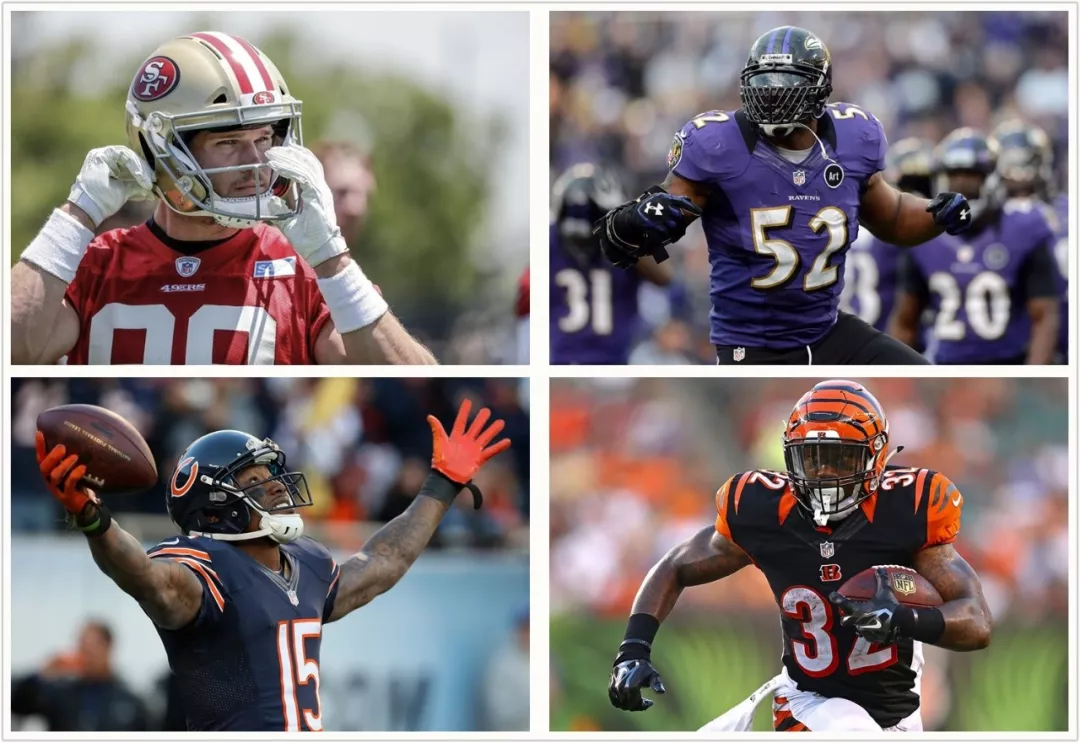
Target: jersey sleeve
{"x":317,"y":313}
{"x":723,"y":498}
{"x":331,"y":592}
{"x":698,"y":152}
{"x":944,"y":505}
{"x":188,"y":553}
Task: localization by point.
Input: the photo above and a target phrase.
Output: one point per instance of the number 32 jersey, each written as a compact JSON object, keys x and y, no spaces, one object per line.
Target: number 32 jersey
{"x":250,"y":658}
{"x":913,"y":509}
{"x":777,"y":231}
{"x":247,"y":300}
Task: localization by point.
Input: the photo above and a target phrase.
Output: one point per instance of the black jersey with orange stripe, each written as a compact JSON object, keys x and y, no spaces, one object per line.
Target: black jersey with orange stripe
{"x":250,"y":658}
{"x":913,"y":509}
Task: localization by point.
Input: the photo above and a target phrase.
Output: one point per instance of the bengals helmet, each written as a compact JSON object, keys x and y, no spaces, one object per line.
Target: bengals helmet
{"x":210,"y":81}
{"x":836,"y":446}
{"x":207,"y":497}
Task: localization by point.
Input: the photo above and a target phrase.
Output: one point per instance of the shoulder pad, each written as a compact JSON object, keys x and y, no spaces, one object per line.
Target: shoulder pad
{"x":708,"y":148}
{"x":860,"y":139}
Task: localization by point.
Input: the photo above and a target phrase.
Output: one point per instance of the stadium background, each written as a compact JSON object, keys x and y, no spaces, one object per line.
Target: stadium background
{"x":635,"y":464}
{"x":622,"y":84}
{"x":437,"y":100}
{"x":446,"y":649}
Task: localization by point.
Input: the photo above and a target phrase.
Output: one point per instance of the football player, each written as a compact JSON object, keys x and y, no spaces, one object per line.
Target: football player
{"x":838,"y":509}
{"x":242,"y":262}
{"x":594,"y":308}
{"x":870,"y":269}
{"x":1026,"y":166}
{"x":240,"y":597}
{"x":782,"y":186}
{"x":994,"y":291}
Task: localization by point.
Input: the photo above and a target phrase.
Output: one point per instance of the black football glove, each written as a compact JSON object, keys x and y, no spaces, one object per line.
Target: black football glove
{"x":643,"y":227}
{"x":951,"y":211}
{"x":874,"y":619}
{"x":627,"y":680}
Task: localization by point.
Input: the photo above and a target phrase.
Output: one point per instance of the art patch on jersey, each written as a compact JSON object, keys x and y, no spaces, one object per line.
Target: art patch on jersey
{"x":834,"y":175}
{"x":674,"y":154}
{"x":275,"y":269}
{"x":187,"y":265}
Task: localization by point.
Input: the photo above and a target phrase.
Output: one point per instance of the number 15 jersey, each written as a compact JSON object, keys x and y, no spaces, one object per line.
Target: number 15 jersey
{"x":247,"y":300}
{"x":912,"y":510}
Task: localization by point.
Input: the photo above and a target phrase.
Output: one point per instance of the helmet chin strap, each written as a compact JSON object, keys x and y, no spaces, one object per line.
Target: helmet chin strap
{"x":282,"y":528}
{"x":783,"y":130}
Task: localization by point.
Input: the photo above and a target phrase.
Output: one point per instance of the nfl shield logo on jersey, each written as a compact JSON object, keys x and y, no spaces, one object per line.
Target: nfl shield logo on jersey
{"x":739,"y":354}
{"x":799,"y":177}
{"x":187,"y":266}
{"x":827,"y":550}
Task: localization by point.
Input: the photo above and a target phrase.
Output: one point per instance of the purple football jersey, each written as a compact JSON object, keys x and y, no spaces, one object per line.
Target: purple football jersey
{"x":594,"y":309}
{"x":979,"y":283}
{"x":778,"y":232}
{"x":1061,"y":254}
{"x":870,"y":280}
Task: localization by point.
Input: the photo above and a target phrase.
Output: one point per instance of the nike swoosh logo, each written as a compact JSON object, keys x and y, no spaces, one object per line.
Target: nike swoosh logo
{"x":957,"y":499}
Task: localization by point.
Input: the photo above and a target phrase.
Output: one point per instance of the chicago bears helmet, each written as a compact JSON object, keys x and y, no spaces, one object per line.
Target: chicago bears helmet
{"x":836,"y":446}
{"x":211,"y":81}
{"x":212,"y":492}
{"x":787,"y":80}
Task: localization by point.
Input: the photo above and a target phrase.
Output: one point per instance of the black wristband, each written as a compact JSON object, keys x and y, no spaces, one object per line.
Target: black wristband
{"x":94,"y":520}
{"x":925,"y":624}
{"x":640,"y":632}
{"x":440,"y":487}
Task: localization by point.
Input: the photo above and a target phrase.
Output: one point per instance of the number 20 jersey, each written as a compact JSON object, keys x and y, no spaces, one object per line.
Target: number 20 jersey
{"x":777,"y":231}
{"x":250,"y":658}
{"x":913,"y":509}
{"x":248,"y":300}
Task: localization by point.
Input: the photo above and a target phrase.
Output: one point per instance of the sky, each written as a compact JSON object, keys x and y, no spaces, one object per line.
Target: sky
{"x":479,"y":58}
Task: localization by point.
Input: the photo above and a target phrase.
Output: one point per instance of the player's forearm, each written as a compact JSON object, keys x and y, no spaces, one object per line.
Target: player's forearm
{"x":36,"y":300}
{"x":386,"y":341}
{"x":660,"y":590}
{"x":913,"y":225}
{"x":968,"y":625}
{"x":388,"y":555}
{"x":122,"y":558}
{"x":1044,"y":332}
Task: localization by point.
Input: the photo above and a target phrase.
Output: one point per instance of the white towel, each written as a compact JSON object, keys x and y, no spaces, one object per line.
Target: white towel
{"x":739,"y":718}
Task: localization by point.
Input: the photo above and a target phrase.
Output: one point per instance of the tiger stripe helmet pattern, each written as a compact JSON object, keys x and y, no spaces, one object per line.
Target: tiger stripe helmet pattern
{"x":836,"y":446}
{"x":211,"y":80}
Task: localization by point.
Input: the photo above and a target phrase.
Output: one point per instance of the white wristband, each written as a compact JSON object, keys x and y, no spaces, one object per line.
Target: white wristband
{"x":60,"y":246}
{"x":353,"y":300}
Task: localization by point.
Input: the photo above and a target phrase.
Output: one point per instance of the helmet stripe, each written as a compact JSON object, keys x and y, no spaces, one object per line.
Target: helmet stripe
{"x":772,"y":40}
{"x":268,"y":83}
{"x":787,"y":41}
{"x":240,"y":60}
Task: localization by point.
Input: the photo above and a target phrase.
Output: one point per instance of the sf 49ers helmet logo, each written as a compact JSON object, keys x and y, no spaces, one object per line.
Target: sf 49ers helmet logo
{"x":262,"y":97}
{"x":156,"y":79}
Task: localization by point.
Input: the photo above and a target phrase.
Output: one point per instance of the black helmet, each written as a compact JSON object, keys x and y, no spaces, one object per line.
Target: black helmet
{"x":581,"y":196}
{"x":909,"y":164}
{"x":787,"y":79}
{"x":1025,"y":158}
{"x":206,"y":498}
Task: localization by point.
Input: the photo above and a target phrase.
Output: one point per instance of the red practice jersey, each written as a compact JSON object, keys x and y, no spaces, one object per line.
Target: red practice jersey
{"x":249,"y":300}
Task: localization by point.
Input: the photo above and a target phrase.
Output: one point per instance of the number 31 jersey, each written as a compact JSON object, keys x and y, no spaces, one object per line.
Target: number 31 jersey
{"x":777,"y":231}
{"x":250,"y":658}
{"x":912,"y":510}
{"x":247,"y":300}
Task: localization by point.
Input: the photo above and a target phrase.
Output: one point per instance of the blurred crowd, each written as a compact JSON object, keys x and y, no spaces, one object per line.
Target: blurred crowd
{"x":364,"y":445}
{"x":635,"y":464}
{"x":621,"y":85}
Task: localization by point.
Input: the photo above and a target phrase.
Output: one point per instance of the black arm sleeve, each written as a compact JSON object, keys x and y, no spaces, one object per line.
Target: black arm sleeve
{"x":1040,"y":273}
{"x":909,"y":279}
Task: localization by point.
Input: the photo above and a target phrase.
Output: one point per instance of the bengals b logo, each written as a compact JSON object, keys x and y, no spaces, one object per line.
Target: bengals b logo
{"x":830,"y":572}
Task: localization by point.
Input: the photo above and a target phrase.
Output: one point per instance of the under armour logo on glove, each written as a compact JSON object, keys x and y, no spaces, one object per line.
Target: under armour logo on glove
{"x":951,"y":211}
{"x":656,"y":209}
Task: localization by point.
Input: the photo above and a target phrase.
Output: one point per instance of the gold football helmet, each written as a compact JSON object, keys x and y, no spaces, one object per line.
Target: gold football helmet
{"x":215,"y":81}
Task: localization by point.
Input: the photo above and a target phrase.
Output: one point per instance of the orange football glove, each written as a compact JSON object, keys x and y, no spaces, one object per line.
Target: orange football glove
{"x":460,"y":455}
{"x":62,"y":475}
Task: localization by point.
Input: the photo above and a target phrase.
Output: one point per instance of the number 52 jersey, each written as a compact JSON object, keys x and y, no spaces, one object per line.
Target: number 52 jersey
{"x":912,"y":510}
{"x":247,"y":300}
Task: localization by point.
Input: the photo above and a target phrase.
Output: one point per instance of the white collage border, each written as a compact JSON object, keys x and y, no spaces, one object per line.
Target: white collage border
{"x":539,"y":372}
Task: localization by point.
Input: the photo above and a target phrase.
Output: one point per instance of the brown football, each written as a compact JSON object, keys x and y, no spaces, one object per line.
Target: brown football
{"x":116,"y":456}
{"x":911,"y":589}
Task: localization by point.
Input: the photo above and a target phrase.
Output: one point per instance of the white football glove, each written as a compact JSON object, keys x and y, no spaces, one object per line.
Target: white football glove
{"x":314,"y":232}
{"x":110,"y":177}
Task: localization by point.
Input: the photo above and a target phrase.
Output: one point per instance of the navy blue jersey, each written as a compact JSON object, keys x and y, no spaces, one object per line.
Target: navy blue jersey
{"x":594,"y":308}
{"x":250,"y":658}
{"x":1061,"y":255}
{"x":777,"y":231}
{"x":978,"y":284}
